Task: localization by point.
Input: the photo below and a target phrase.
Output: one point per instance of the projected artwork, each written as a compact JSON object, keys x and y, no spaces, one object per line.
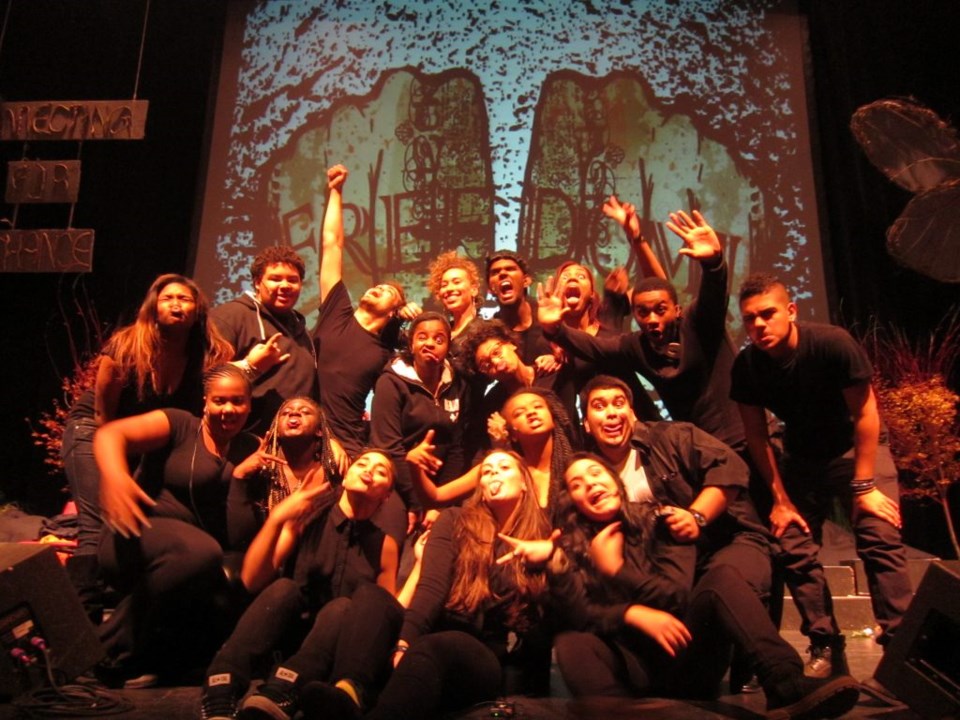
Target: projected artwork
{"x":508,"y":125}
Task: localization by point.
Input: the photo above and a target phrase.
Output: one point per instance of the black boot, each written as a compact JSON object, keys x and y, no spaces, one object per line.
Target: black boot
{"x":804,"y":698}
{"x":827,"y":659}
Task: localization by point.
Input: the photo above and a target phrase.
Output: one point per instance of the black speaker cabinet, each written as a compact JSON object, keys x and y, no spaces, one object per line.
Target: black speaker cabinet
{"x":922,"y":663}
{"x":39,"y":608}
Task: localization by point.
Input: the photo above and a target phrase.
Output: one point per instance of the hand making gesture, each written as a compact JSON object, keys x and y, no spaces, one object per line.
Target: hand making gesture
{"x":701,"y":241}
{"x":550,"y":306}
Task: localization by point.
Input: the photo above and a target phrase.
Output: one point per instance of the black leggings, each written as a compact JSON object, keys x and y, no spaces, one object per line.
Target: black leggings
{"x":724,"y":612}
{"x":351,"y":637}
{"x":170,"y":575}
{"x":441,"y":671}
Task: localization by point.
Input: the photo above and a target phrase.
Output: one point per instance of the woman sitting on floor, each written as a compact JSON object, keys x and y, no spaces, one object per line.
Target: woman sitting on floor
{"x":336,"y":566}
{"x":624,"y":584}
{"x":479,"y":609}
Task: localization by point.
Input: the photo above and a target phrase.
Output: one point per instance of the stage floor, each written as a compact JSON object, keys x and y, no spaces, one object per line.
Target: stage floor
{"x":174,"y":703}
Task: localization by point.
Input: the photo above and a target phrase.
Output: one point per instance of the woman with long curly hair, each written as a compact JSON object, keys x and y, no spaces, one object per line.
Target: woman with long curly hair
{"x":455,"y":282}
{"x":479,"y":607}
{"x":155,"y":361}
{"x":637,"y":624}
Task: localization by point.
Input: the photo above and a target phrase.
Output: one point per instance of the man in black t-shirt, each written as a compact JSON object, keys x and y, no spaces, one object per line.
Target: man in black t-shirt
{"x":353,"y":344}
{"x":816,"y":379}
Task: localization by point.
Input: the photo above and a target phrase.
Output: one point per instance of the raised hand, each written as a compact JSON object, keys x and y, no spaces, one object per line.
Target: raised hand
{"x":409,"y":311}
{"x":497,"y":429}
{"x":336,"y":177}
{"x":528,"y":552}
{"x":256,"y":461}
{"x":701,"y":241}
{"x":263,"y":356}
{"x":617,"y":281}
{"x":551,"y":307}
{"x":297,"y":506}
{"x":606,"y":549}
{"x":625,"y":214}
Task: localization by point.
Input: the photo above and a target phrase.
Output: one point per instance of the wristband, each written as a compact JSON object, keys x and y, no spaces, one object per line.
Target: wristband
{"x":862,"y":487}
{"x":249,"y":370}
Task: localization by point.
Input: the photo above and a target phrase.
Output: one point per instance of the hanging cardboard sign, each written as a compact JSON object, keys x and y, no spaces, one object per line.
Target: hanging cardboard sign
{"x":73,"y":120}
{"x":43,"y":181}
{"x":46,"y":250}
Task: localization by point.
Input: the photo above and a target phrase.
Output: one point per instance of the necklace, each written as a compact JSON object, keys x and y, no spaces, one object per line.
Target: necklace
{"x":221,"y":451}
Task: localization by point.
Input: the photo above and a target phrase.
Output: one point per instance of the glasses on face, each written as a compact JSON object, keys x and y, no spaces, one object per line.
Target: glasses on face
{"x":496,"y":355}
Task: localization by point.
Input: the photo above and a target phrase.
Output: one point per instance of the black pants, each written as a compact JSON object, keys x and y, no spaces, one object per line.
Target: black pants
{"x":724,"y":613}
{"x":813,"y":486}
{"x":441,"y":671}
{"x":170,"y":576}
{"x":350,"y":638}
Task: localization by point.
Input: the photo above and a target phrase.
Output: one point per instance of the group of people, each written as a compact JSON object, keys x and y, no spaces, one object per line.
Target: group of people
{"x":514,"y":491}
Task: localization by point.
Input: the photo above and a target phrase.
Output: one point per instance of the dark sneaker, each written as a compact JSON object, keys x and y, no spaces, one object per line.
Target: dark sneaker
{"x":820,"y":664}
{"x":827,"y":660}
{"x":874,"y":689}
{"x":124,"y":675}
{"x":219,"y":698}
{"x":805,"y":698}
{"x":277,"y":699}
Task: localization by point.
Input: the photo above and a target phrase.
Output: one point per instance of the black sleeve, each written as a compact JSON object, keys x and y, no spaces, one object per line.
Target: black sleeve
{"x":667,"y":584}
{"x":614,"y":312}
{"x":436,"y":578}
{"x":709,"y":310}
{"x":386,"y":433}
{"x":577,"y":611}
{"x":588,"y":347}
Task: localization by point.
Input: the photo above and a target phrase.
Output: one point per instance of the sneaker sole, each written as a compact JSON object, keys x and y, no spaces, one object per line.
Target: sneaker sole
{"x":829,"y":701}
{"x":258,"y":707}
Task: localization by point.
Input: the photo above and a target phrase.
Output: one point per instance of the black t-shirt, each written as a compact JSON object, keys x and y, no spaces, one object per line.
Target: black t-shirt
{"x":187,"y":396}
{"x":806,"y":392}
{"x":192,"y":484}
{"x":350,"y":361}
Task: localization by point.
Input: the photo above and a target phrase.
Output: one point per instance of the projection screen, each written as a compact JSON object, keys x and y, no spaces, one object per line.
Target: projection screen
{"x":472,"y":126}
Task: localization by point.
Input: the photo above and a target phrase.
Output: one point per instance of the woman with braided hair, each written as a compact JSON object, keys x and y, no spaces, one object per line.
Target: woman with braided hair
{"x":298,"y":443}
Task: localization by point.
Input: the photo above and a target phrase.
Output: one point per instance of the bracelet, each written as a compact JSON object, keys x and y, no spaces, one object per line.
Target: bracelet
{"x":862,"y":487}
{"x":698,"y":518}
{"x":401,"y":648}
{"x":249,"y":370}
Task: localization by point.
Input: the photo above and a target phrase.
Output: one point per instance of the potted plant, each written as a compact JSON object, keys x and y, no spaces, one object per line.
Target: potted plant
{"x":919,"y":409}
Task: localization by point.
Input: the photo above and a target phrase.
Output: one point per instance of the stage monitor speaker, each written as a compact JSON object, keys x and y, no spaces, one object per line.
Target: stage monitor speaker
{"x":922,"y":663}
{"x":39,"y":609}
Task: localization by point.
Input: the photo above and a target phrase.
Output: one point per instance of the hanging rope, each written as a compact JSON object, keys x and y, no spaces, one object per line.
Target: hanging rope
{"x":6,"y":19}
{"x":143,"y":42}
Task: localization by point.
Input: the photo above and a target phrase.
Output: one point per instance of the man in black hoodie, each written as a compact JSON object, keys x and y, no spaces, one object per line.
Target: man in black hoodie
{"x":285,"y":364}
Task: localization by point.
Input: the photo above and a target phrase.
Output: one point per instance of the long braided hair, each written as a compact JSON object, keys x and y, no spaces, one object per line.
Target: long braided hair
{"x":277,"y":488}
{"x":563,"y":435}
